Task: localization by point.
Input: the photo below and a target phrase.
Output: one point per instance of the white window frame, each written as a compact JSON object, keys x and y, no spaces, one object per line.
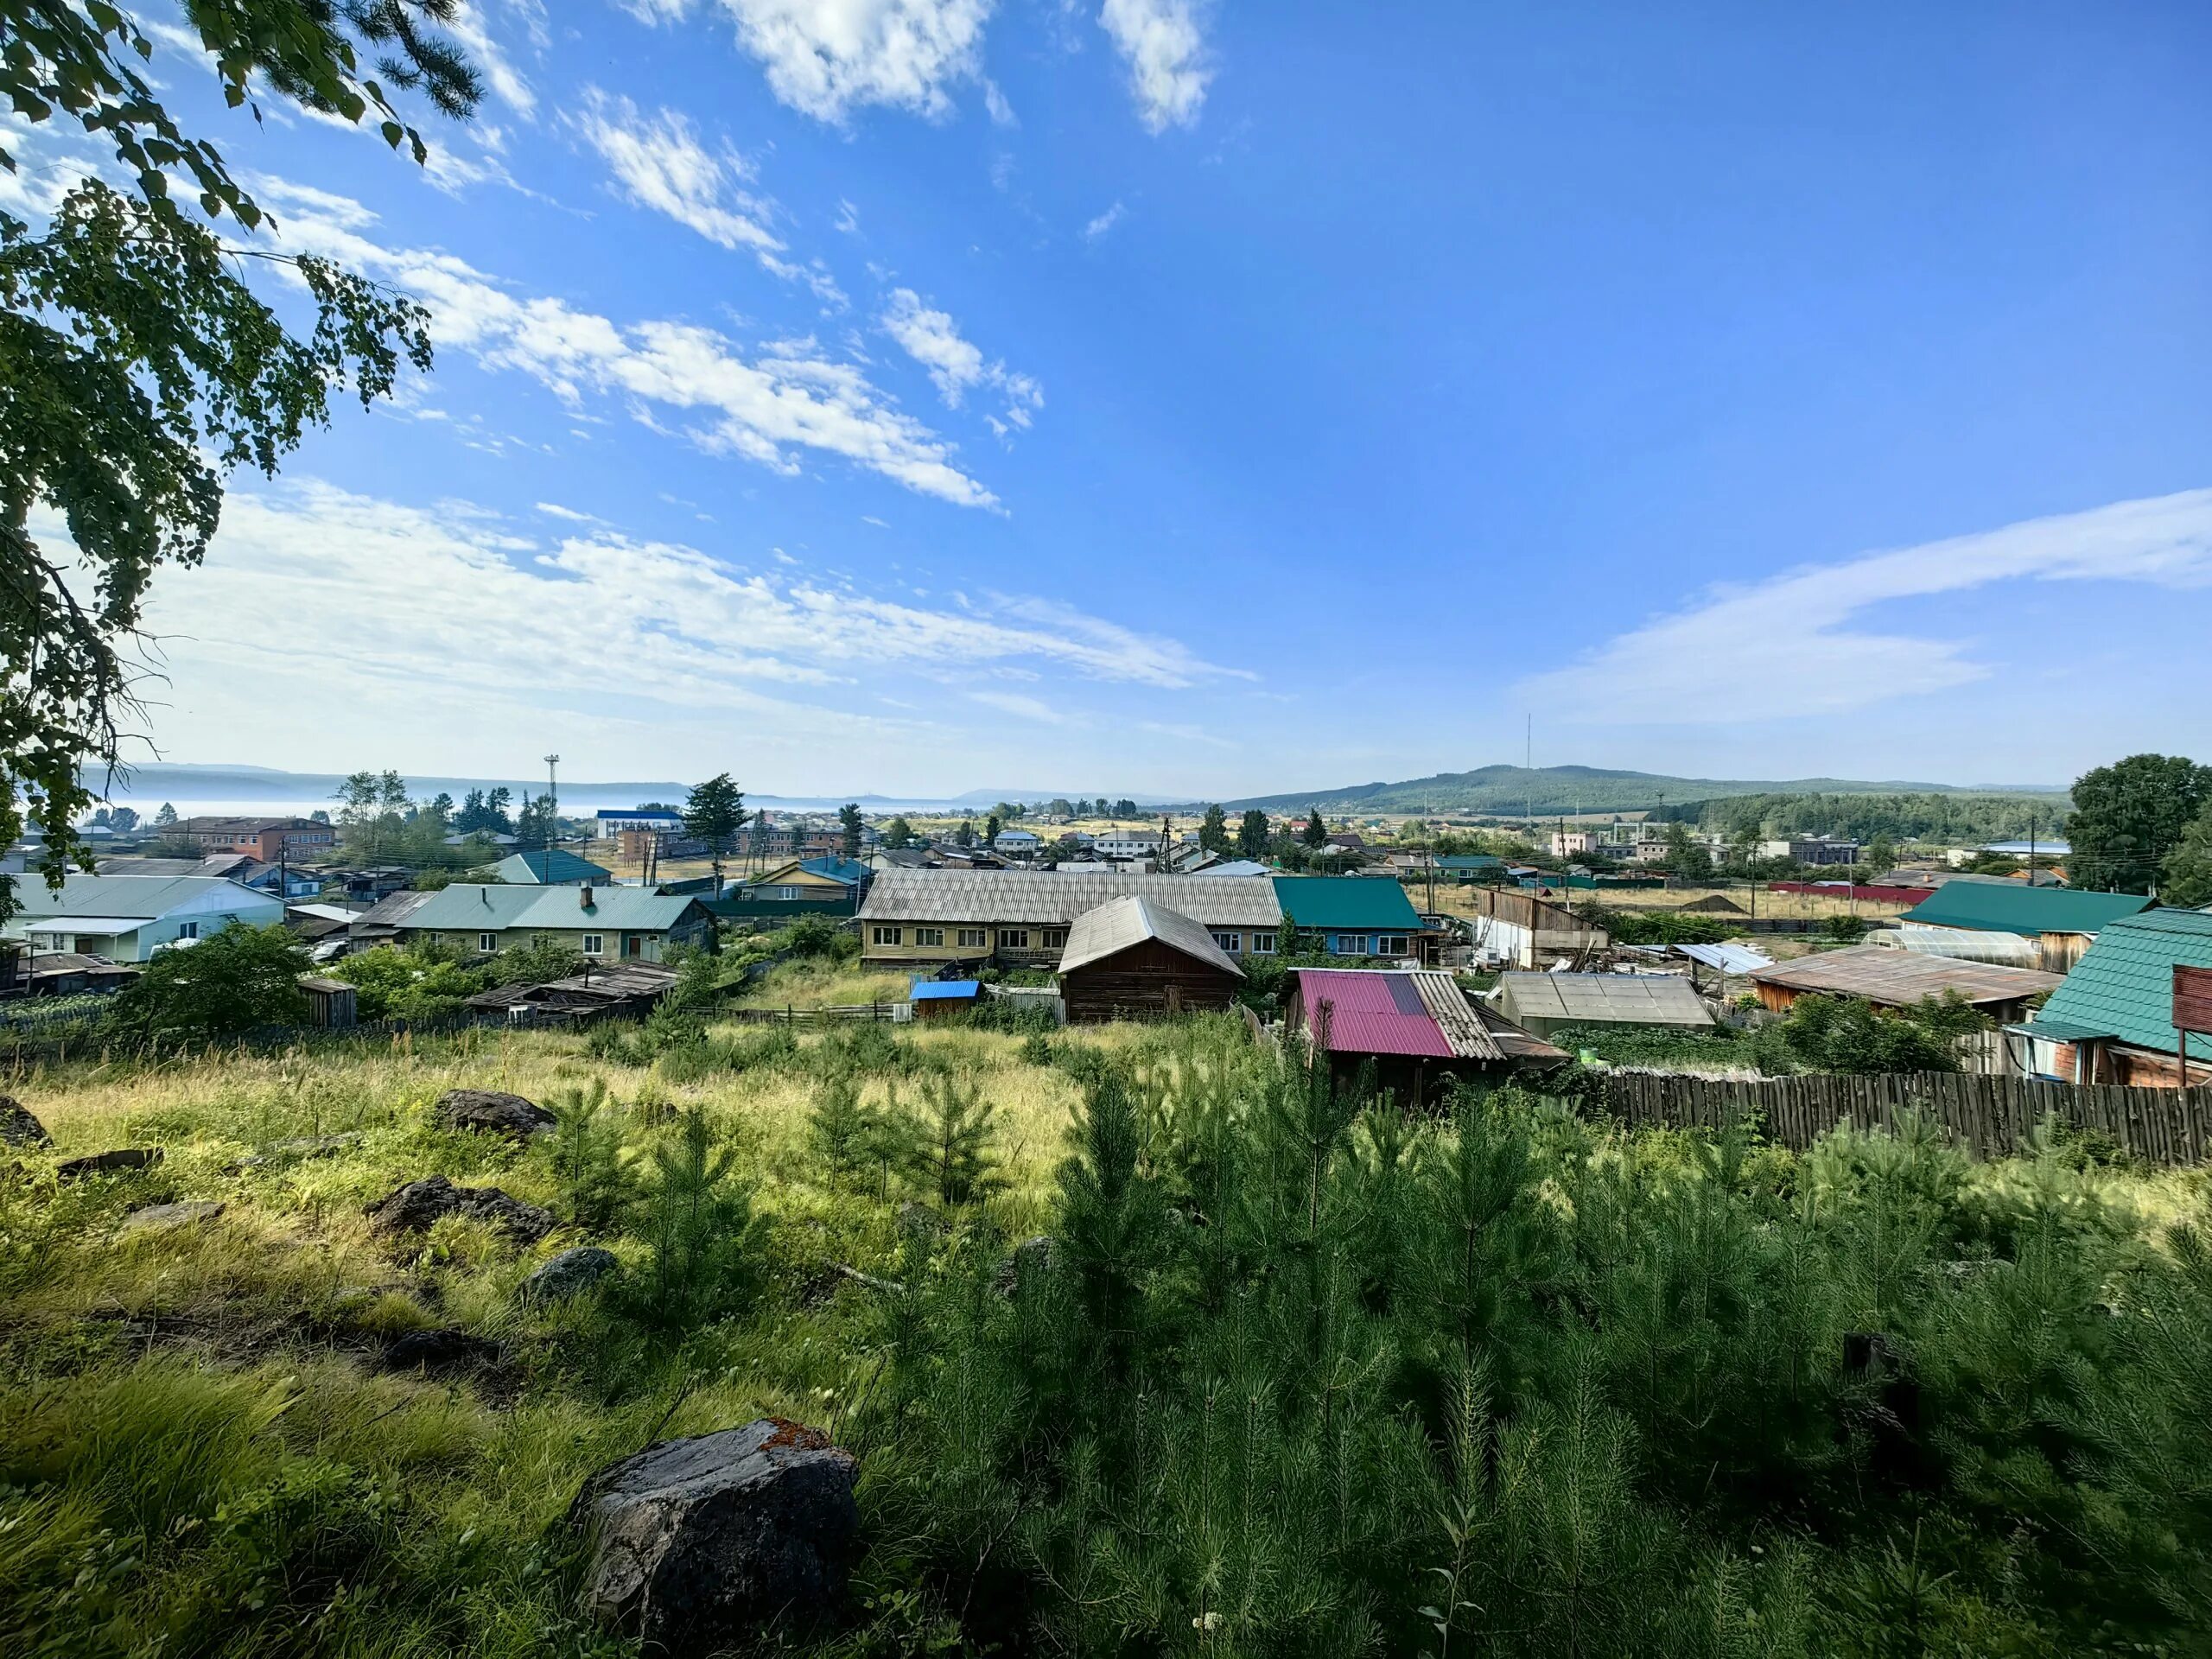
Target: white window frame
{"x":1263,"y":944}
{"x":595,"y":944}
{"x":1231,"y":944}
{"x":487,"y":943}
{"x":1056,"y":939}
{"x":1013,"y":938}
{"x":187,"y":929}
{"x":1393,"y":945}
{"x":787,"y":893}
{"x":975,"y":938}
{"x":932,"y":937}
{"x":889,"y":935}
{"x":1337,"y":942}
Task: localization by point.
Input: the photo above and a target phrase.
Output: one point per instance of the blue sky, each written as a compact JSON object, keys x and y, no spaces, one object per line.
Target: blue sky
{"x":918,"y":395}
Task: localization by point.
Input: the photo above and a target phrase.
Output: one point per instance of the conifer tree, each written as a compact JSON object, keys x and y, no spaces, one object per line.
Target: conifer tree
{"x":951,"y":1152}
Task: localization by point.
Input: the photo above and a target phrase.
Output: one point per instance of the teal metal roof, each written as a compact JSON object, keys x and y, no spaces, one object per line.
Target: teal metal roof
{"x":549,"y":865}
{"x":1469,"y":861}
{"x":144,"y":897}
{"x":2124,"y":984}
{"x":2002,"y":907}
{"x":471,"y":909}
{"x":1331,"y":902}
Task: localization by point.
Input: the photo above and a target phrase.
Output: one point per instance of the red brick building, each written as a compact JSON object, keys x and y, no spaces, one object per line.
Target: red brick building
{"x":270,"y":840}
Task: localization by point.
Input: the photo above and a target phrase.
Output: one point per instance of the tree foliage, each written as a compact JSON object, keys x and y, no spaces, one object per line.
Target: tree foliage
{"x":2128,"y":817}
{"x":1213,"y":830}
{"x":714,"y":813}
{"x":226,"y":984}
{"x":138,"y":368}
{"x":2188,"y":870}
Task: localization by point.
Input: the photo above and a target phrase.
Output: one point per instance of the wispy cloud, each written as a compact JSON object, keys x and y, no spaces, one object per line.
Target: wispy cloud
{"x":1166,"y":51}
{"x":764,"y":407}
{"x":659,"y":161}
{"x":1105,"y":222}
{"x":1800,"y":639}
{"x":828,"y":57}
{"x":956,"y":364}
{"x":1027,"y":708}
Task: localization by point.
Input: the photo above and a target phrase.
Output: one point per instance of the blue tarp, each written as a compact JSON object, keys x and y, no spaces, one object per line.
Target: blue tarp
{"x":945,"y":991}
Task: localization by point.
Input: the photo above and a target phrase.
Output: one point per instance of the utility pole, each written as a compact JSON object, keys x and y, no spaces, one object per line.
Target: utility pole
{"x":2031,"y":846}
{"x":552,"y":812}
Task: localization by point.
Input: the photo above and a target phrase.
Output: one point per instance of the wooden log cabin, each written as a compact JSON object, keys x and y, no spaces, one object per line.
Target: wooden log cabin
{"x":1133,"y":958}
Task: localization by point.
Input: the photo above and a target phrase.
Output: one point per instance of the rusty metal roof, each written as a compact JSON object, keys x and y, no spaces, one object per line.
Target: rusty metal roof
{"x":1901,"y":978}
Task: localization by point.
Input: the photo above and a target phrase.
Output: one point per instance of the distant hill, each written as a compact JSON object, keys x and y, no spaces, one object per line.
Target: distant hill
{"x":1498,"y":790}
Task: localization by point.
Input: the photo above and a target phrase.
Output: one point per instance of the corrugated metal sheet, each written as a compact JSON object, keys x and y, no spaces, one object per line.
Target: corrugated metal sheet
{"x":1901,"y":977}
{"x":1728,"y":958}
{"x":1328,"y":903}
{"x":2014,"y":908}
{"x":1603,"y":999}
{"x":1422,"y":1014}
{"x":1120,"y":923}
{"x":1055,"y":898}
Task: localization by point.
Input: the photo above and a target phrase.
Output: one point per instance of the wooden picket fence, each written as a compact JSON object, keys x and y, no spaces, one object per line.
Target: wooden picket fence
{"x":1992,"y":1115}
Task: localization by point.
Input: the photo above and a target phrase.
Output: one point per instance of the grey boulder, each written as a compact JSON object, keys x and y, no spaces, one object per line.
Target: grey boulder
{"x":106,"y":1163}
{"x":489,"y":1110}
{"x":418,"y":1206}
{"x":438,"y":1353}
{"x":569,"y":1274}
{"x":18,"y":1128}
{"x":168,"y":1217}
{"x":696,"y":1542}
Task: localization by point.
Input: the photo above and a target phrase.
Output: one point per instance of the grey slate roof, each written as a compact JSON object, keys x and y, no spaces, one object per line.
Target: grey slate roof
{"x":142,"y":896}
{"x":1901,"y":978}
{"x":1056,"y":898}
{"x":1120,"y":923}
{"x":1604,"y":999}
{"x":468,"y":909}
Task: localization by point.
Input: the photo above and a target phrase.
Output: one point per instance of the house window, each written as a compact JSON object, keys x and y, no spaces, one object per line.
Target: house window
{"x":1056,"y":939}
{"x":595,"y":944}
{"x":974,"y":938}
{"x":1013,"y":938}
{"x":1263,"y":944}
{"x":787,"y":893}
{"x":887,"y":936}
{"x":930,"y":936}
{"x":1349,"y":944}
{"x":187,"y":929}
{"x":487,"y":943}
{"x":1229,"y":942}
{"x":1390,"y":945}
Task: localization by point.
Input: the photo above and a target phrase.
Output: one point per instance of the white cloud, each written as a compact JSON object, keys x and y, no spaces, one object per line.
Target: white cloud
{"x":848,"y":218}
{"x":1105,"y":222}
{"x":1166,"y":51}
{"x":1014,"y":702}
{"x":469,"y":28}
{"x":660,"y":162}
{"x":826,"y":57}
{"x":933,"y":340}
{"x":1793,"y":637}
{"x":781,"y":400}
{"x":1001,"y":112}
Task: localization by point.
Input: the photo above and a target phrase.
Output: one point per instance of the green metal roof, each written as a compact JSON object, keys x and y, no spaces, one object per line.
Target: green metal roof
{"x":2002,"y":907}
{"x":2124,"y":984}
{"x":146,"y":896}
{"x":549,"y":865}
{"x":1332,"y":902}
{"x":1469,"y":861}
{"x":471,"y":909}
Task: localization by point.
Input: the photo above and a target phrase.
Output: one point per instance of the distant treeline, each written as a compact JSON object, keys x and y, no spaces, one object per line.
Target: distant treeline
{"x":1958,"y":819}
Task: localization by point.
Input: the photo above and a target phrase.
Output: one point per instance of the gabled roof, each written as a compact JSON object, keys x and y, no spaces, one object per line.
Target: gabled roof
{"x":2123,"y":986}
{"x":1115,"y":926}
{"x":838,"y":868}
{"x":2011,"y":907}
{"x":549,"y":865}
{"x":1901,"y":978}
{"x":1056,"y":898}
{"x":470,"y":908}
{"x":130,"y":897}
{"x":1330,"y":903}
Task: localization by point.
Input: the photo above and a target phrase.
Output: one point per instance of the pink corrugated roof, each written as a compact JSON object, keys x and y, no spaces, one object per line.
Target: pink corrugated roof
{"x":1371,"y":1013}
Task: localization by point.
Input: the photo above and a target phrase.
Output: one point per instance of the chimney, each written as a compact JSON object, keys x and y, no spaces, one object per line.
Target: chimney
{"x":587,"y":895}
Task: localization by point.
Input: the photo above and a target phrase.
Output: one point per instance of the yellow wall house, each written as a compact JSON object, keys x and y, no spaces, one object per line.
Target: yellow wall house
{"x":605,"y":923}
{"x":1021,"y":917}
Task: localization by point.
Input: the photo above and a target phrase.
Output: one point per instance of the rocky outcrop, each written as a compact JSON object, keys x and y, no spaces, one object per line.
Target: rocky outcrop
{"x":417,"y":1206}
{"x":168,"y":1218}
{"x":488,"y":1110}
{"x":108,"y":1163}
{"x":569,"y":1274}
{"x":696,"y":1542}
{"x":18,"y":1128}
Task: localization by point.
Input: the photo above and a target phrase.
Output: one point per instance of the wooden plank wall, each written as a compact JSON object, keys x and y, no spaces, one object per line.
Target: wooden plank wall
{"x":1992,"y":1115}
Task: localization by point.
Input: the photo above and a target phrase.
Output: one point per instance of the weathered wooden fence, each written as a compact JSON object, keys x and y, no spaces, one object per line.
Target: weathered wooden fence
{"x":1991,"y":1116}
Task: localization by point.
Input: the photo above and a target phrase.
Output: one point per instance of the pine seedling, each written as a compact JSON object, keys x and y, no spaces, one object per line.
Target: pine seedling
{"x":700,"y":1225}
{"x":842,"y":1130}
{"x":594,"y":1183}
{"x":951,"y":1152}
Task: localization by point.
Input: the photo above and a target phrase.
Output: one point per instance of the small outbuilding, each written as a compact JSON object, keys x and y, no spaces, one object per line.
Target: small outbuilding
{"x":1902,"y":979}
{"x":330,"y":1003}
{"x":1417,"y":1029}
{"x":932,"y":998}
{"x":1133,"y":958}
{"x":1544,"y":1003}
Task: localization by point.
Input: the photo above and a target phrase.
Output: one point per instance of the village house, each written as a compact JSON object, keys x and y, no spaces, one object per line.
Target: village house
{"x":1128,"y":843}
{"x":270,"y":840}
{"x":2059,"y":921}
{"x":1355,"y":918}
{"x":1891,"y":978}
{"x":828,"y":886}
{"x":1417,"y":1029}
{"x":550,"y":866}
{"x":2112,"y":1020}
{"x":1135,"y":958}
{"x":127,"y":917}
{"x":1021,"y":918}
{"x":600,"y":924}
{"x":1813,"y":850}
{"x":1017,"y":844}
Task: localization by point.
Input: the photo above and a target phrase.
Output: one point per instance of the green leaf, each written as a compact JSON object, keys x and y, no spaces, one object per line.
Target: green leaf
{"x":393,"y":132}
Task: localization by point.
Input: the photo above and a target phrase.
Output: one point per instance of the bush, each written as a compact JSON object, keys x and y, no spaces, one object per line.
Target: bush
{"x":1850,"y":1036}
{"x":239,"y":980}
{"x":420,"y":982}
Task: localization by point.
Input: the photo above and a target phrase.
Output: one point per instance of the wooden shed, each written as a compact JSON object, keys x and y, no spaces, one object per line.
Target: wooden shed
{"x":1133,"y":958}
{"x":330,"y":1003}
{"x":1901,"y":979}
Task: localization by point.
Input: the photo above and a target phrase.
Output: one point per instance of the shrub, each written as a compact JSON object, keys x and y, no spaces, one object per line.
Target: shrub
{"x":702,"y":1234}
{"x":587,"y":1149}
{"x":226,"y":985}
